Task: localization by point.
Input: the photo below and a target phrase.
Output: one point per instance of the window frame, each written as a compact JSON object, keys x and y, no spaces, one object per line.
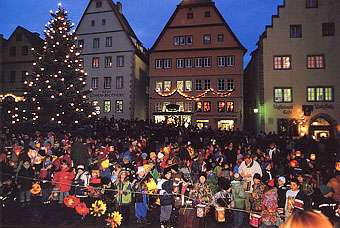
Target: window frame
{"x":24,"y":50}
{"x":233,"y":106}
{"x":94,"y":83}
{"x":198,"y":83}
{"x":167,"y":86}
{"x":122,"y":82}
{"x":99,"y":4}
{"x":315,"y":99}
{"x":186,"y":85}
{"x":167,"y":64}
{"x":188,"y":62}
{"x":207,"y":62}
{"x":315,"y":61}
{"x":298,"y":31}
{"x":180,"y":63}
{"x":222,"y":80}
{"x":96,"y":42}
{"x":282,"y":89}
{"x":209,"y":104}
{"x":229,"y":82}
{"x":311,"y":4}
{"x":107,"y":104}
{"x":107,"y":82}
{"x":200,"y":61}
{"x":95,"y":62}
{"x":282,"y":62}
{"x":220,"y":37}
{"x":108,"y":41}
{"x":207,"y":84}
{"x":93,"y":23}
{"x":108,"y":61}
{"x":120,"y":61}
{"x":326,"y":29}
{"x":207,"y":39}
{"x":119,"y":106}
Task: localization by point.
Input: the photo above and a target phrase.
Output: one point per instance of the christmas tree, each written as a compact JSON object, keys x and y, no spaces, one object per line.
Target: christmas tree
{"x":56,"y":96}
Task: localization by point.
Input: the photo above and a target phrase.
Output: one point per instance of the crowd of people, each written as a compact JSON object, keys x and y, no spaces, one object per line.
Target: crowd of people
{"x":136,"y":167}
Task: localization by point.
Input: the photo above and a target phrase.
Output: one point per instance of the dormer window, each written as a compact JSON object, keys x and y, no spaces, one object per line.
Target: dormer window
{"x":190,"y":16}
{"x":99,"y":4}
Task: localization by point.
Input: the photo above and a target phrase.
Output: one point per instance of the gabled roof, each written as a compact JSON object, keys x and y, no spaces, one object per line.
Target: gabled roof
{"x":192,"y":4}
{"x":32,"y":37}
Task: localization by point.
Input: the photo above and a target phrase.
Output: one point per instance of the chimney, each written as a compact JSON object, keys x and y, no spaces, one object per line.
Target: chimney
{"x":119,"y":5}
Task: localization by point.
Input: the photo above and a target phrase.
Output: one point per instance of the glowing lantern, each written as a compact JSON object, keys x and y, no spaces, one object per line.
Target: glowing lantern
{"x":71,"y":201}
{"x":114,"y":219}
{"x":17,"y":150}
{"x":82,"y":209}
{"x":337,"y":166}
{"x":298,"y":153}
{"x":201,"y":210}
{"x":294,"y":163}
{"x":312,"y":157}
{"x":219,"y":214}
{"x":98,"y":208}
{"x":36,"y":189}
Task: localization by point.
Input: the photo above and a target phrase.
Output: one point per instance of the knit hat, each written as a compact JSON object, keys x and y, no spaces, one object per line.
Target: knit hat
{"x":105,"y":164}
{"x":152,"y":155}
{"x":160,"y":155}
{"x":144,"y":155}
{"x":167,"y":170}
{"x":81,"y":167}
{"x":125,"y":159}
{"x":140,"y":169}
{"x":265,"y":165}
{"x":237,"y":177}
{"x":202,"y":174}
{"x":324,"y":189}
{"x":283,"y":179}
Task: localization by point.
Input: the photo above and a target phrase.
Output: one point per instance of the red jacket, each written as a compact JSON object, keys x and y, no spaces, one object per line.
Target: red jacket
{"x":63,"y":180}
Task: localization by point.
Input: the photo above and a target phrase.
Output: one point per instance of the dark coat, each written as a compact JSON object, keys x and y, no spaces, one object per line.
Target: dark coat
{"x":167,"y":198}
{"x":25,"y":178}
{"x":79,"y":154}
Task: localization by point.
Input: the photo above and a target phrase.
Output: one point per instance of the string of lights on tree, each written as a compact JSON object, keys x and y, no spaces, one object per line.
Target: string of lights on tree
{"x":191,"y":98}
{"x":55,"y":91}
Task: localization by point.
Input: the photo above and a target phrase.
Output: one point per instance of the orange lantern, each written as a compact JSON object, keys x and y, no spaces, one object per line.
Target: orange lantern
{"x":17,"y":150}
{"x":36,"y":189}
{"x":298,"y":153}
{"x":71,"y":201}
{"x":337,"y":166}
{"x":294,"y":163}
{"x":82,"y":209}
{"x":312,"y":157}
{"x":219,"y":214}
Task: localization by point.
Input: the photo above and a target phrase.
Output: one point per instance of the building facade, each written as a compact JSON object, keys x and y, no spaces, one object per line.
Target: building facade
{"x":292,"y":81}
{"x":16,"y":60}
{"x":115,"y":62}
{"x":196,"y":69}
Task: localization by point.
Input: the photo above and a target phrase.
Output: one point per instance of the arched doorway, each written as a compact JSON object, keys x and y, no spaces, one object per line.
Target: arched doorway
{"x":322,"y":125}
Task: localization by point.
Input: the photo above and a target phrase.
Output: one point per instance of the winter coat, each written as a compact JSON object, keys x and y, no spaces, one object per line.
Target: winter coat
{"x":256,"y":196}
{"x":212,"y":182}
{"x":281,"y":198}
{"x":63,"y":179}
{"x":334,"y":184}
{"x":223,"y":199}
{"x":25,"y":178}
{"x":327,"y":206}
{"x":202,"y":193}
{"x":252,"y":168}
{"x":125,"y":198}
{"x":79,"y":154}
{"x":165,"y":189}
{"x":269,"y":207}
{"x":238,"y":194}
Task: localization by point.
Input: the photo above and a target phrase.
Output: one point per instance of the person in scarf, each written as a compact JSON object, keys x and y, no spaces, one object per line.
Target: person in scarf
{"x":257,"y":194}
{"x":165,"y":189}
{"x":123,"y":196}
{"x":282,"y":189}
{"x":63,"y":180}
{"x":140,"y":199}
{"x":269,"y":206}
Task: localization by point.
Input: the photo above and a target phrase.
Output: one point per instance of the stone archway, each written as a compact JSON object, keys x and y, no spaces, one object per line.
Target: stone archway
{"x":332,"y":124}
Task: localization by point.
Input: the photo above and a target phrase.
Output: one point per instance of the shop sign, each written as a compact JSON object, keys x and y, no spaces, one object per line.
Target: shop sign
{"x":106,"y":94}
{"x":323,"y":106}
{"x":286,"y":109}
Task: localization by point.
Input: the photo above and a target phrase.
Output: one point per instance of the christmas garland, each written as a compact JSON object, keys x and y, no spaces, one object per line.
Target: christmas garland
{"x":187,"y":97}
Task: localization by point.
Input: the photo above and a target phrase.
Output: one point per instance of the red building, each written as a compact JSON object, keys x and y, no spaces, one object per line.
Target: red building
{"x":196,"y":69}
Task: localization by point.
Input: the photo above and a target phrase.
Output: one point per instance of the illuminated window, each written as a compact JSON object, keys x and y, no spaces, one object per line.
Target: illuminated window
{"x":188,"y":106}
{"x":167,"y":86}
{"x":108,"y":42}
{"x":221,"y":106}
{"x":166,"y":103}
{"x":198,"y":85}
{"x":181,"y":106}
{"x":108,"y":61}
{"x":107,"y":82}
{"x":282,"y":62}
{"x":94,"y":83}
{"x":310,"y":94}
{"x":283,"y":95}
{"x":158,"y":106}
{"x":230,"y":106}
{"x":207,"y":84}
{"x":159,"y":86}
{"x":107,"y":106}
{"x":198,"y":107}
{"x":206,"y":106}
{"x":119,"y":106}
{"x":95,"y":62}
{"x":96,"y":43}
{"x":198,"y":62}
{"x":207,"y":39}
{"x":295,"y":31}
{"x":320,"y":94}
{"x":220,"y":85}
{"x":188,"y":86}
{"x":180,"y":85}
{"x":315,"y":62}
{"x":119,"y":82}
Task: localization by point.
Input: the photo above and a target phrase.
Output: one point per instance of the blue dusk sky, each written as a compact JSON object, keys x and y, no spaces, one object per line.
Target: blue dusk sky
{"x":246,"y":18}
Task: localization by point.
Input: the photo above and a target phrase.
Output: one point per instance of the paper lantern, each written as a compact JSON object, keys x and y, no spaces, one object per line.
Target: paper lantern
{"x":71,"y":201}
{"x":255,"y":220}
{"x":82,"y":209}
{"x":294,"y":163}
{"x":55,"y":193}
{"x":337,"y":166}
{"x":98,"y":208}
{"x":298,"y":153}
{"x":114,"y":219}
{"x":201,"y":210}
{"x":36,"y":189}
{"x":220,"y":214}
{"x":312,"y":157}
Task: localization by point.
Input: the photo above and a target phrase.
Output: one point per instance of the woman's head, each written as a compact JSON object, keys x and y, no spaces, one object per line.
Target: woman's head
{"x":307,"y":219}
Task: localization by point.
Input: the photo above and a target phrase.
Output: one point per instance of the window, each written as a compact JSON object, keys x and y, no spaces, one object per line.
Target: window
{"x":167,"y":86}
{"x":282,"y":62}
{"x":103,"y":22}
{"x":220,"y":61}
{"x":221,"y":106}
{"x":198,"y":85}
{"x":311,"y":3}
{"x":159,"y":86}
{"x":206,"y":106}
{"x":188,"y":62}
{"x":119,"y":106}
{"x":12,"y":51}
{"x":107,"y":82}
{"x":158,"y":106}
{"x":295,"y":31}
{"x":93,"y":23}
{"x":180,"y":85}
{"x":24,"y":75}
{"x":320,"y":94}
{"x":328,"y":29}
{"x":182,"y":40}
{"x":188,"y":86}
{"x":315,"y":62}
{"x":95,"y":62}
{"x":12,"y":78}
{"x":198,"y":62}
{"x":283,"y":95}
{"x":96,"y":43}
{"x":107,"y":106}
{"x":108,"y":61}
{"x":119,"y":82}
{"x":220,"y":85}
{"x":179,"y":63}
{"x":166,"y":103}
{"x":180,"y":106}
{"x":207,"y":14}
{"x":120,"y":61}
{"x":159,"y":63}
{"x":220,"y":37}
{"x":99,"y":4}
{"x":94,"y":83}
{"x":190,"y":15}
{"x":207,"y":84}
{"x":207,"y":62}
{"x":198,"y":106}
{"x":81,"y":63}
{"x":19,"y":37}
{"x":230,"y":60}
{"x":230,"y":106}
{"x":188,"y":106}
{"x":189,"y":40}
{"x":207,"y":39}
{"x":167,"y":63}
{"x":24,"y":50}
{"x":230,"y":84}
{"x":80,"y":43}
{"x":176,"y":40}
{"x":108,"y":42}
